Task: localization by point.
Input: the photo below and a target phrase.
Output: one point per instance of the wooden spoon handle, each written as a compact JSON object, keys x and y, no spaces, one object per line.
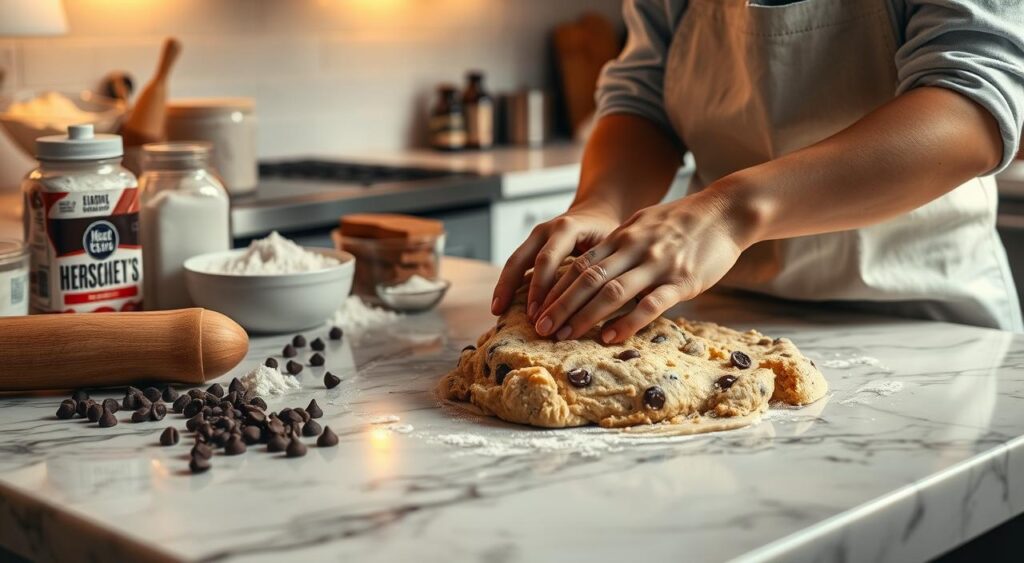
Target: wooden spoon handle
{"x":168,"y":54}
{"x":88,"y":350}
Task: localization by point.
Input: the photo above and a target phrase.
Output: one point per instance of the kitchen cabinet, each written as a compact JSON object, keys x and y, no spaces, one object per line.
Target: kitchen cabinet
{"x":512,"y":220}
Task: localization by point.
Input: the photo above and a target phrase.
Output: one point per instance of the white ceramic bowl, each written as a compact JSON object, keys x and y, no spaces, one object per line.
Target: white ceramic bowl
{"x":271,"y":303}
{"x":107,"y":116}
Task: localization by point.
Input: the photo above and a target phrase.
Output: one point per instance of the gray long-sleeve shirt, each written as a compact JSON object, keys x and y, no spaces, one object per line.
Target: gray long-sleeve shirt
{"x":974,"y":47}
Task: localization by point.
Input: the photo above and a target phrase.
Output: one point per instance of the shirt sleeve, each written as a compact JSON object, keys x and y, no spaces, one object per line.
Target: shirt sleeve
{"x":633,"y":82}
{"x":973,"y":47}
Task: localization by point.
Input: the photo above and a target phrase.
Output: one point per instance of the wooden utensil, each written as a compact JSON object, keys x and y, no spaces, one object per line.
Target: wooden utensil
{"x":582,"y":48}
{"x":93,"y":350}
{"x":145,"y":123}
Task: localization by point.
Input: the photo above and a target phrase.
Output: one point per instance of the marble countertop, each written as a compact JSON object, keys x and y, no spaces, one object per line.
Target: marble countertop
{"x":918,"y":448}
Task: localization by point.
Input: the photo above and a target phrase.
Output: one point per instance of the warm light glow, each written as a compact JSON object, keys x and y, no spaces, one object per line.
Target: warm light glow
{"x":380,"y":438}
{"x":160,"y":470}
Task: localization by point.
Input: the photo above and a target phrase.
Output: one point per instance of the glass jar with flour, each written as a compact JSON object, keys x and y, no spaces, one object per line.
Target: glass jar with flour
{"x":185,"y":212}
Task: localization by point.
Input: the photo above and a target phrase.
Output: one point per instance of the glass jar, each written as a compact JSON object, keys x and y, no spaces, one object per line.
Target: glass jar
{"x":230,"y":125}
{"x":81,"y":220}
{"x":14,"y":264}
{"x":185,"y":212}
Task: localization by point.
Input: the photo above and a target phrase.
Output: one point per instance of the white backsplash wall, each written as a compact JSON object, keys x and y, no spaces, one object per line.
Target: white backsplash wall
{"x":327,"y":75}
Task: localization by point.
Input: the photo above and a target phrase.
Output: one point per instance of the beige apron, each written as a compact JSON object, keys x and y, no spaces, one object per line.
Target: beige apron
{"x":745,"y":84}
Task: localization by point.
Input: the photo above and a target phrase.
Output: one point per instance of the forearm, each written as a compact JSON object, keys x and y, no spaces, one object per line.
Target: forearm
{"x":628,"y":164}
{"x":906,"y":153}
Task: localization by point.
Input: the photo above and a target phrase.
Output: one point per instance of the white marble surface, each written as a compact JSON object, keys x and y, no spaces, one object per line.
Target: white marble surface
{"x":919,"y":447}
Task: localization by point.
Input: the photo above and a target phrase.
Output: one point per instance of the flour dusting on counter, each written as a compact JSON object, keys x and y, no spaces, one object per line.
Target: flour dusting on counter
{"x":355,"y":315}
{"x":878,"y":388}
{"x":586,"y":442}
{"x":274,"y":255}
{"x":269,"y":381}
{"x":847,"y":363}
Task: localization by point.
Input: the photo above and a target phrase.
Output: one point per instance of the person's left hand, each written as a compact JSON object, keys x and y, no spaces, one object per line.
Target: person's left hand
{"x":665,"y":253}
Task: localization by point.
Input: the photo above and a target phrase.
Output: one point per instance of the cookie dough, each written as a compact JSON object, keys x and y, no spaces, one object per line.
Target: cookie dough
{"x":679,"y":372}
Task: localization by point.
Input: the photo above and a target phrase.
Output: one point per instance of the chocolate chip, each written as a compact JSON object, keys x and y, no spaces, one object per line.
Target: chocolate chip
{"x":94,"y":412}
{"x":289,"y":351}
{"x":299,"y":341}
{"x":141,"y":415}
{"x":259,"y":403}
{"x":654,"y":397}
{"x":220,"y":438}
{"x":500,"y":372}
{"x":152,"y":393}
{"x":293,"y":367}
{"x":335,"y":333}
{"x":169,"y":436}
{"x":493,"y":349}
{"x":469,"y":348}
{"x":66,"y":409}
{"x":225,"y":424}
{"x":80,"y":395}
{"x":235,"y":446}
{"x":302,"y":413}
{"x":314,"y":409}
{"x":295,"y":448}
{"x":331,"y":381}
{"x":628,"y":354}
{"x":195,"y":422}
{"x":107,"y":420}
{"x":270,"y":363}
{"x":82,"y":408}
{"x":157,"y":412}
{"x":180,"y":403}
{"x":170,"y":394}
{"x":142,"y":402}
{"x":277,"y":443}
{"x":316,"y":360}
{"x":739,"y":359}
{"x":199,"y":465}
{"x":130,"y":401}
{"x":659,"y":339}
{"x":579,"y":377}
{"x":318,"y":344}
{"x":252,"y":434}
{"x":255,"y":416}
{"x":111,"y":405}
{"x":328,"y":439}
{"x":193,"y":408}
{"x":201,"y":451}
{"x":216,"y":390}
{"x":237,"y":386}
{"x":197,"y":394}
{"x":311,"y":428}
{"x":725,"y":381}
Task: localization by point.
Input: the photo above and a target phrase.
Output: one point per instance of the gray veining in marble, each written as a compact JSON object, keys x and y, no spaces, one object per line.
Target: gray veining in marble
{"x":919,"y":447}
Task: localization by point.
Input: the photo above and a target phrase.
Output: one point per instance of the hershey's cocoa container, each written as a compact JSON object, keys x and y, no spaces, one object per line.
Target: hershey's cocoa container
{"x":82,"y":225}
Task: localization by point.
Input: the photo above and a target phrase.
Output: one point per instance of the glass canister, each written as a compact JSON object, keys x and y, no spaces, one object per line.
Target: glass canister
{"x":13,"y":278}
{"x":82,"y":225}
{"x":185,"y":212}
{"x":230,"y":125}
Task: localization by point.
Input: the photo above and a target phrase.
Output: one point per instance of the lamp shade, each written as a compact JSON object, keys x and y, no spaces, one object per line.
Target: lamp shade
{"x":32,"y":17}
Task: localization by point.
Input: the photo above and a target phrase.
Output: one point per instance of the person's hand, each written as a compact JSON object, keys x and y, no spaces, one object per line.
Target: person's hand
{"x":665,"y":254}
{"x":576,"y":230}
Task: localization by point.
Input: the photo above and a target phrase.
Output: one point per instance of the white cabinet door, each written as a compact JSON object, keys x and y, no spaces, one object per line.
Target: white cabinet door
{"x":512,"y":221}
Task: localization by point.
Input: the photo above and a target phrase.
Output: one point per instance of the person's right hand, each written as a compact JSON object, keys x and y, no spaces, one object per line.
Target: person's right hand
{"x":576,"y":230}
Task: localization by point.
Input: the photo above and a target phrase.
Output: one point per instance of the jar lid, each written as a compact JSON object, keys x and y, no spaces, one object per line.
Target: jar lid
{"x":80,"y":143}
{"x":199,"y":107}
{"x":11,"y":249}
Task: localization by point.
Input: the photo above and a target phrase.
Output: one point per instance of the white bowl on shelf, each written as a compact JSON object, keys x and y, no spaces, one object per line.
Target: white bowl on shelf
{"x":273,"y":303}
{"x":106,"y":117}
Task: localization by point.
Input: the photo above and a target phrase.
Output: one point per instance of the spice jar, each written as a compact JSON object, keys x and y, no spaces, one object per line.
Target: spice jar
{"x":14,"y":263}
{"x":82,"y":225}
{"x":447,"y":121}
{"x":479,"y":109}
{"x":185,"y":212}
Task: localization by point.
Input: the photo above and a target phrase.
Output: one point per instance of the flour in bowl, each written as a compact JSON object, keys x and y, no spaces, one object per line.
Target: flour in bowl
{"x":273,"y":255}
{"x":415,"y":284}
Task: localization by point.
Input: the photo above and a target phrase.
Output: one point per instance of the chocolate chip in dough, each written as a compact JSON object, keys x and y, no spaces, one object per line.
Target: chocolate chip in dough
{"x":80,"y":395}
{"x":289,"y":351}
{"x":654,"y":397}
{"x":94,"y":412}
{"x":318,"y":344}
{"x":314,"y":409}
{"x":216,"y":390}
{"x":725,"y":381}
{"x":328,"y":439}
{"x":169,"y":436}
{"x":628,"y":354}
{"x":579,"y":377}
{"x":141,"y":415}
{"x":295,"y":448}
{"x":111,"y":405}
{"x":199,"y":465}
{"x":316,"y":360}
{"x":107,"y":420}
{"x":66,"y":409}
{"x":335,"y":333}
{"x":270,"y":363}
{"x":277,"y":443}
{"x":739,"y":360}
{"x":500,"y":372}
{"x":293,"y":367}
{"x":299,"y":341}
{"x":331,"y":381}
{"x":659,"y":339}
{"x":311,"y":428}
{"x":152,"y":393}
{"x":157,"y":412}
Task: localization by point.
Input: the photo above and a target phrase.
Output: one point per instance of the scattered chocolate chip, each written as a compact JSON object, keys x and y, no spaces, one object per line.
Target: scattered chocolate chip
{"x":66,"y":409}
{"x":111,"y":405}
{"x":659,"y":339}
{"x":235,"y":446}
{"x":169,"y":394}
{"x":270,"y":363}
{"x":299,"y":341}
{"x":130,"y":401}
{"x":318,"y":344}
{"x":82,"y":408}
{"x":469,"y":348}
{"x":199,"y":464}
{"x":202,"y":451}
{"x":289,"y":351}
{"x":237,"y":386}
{"x":316,"y":360}
{"x":152,"y":393}
{"x":725,"y":381}
{"x":328,"y":439}
{"x":314,"y":409}
{"x":142,"y":401}
{"x":107,"y":420}
{"x":654,"y":397}
{"x":335,"y":333}
{"x":193,"y":408}
{"x":141,"y":415}
{"x":311,"y":428}
{"x":275,"y":426}
{"x":739,"y":359}
{"x":579,"y":377}
{"x":195,"y":422}
{"x":259,"y":403}
{"x":289,"y":415}
{"x":216,"y":390}
{"x":80,"y":395}
{"x":500,"y":372}
{"x":295,"y":448}
{"x":252,"y":434}
{"x":94,"y":412}
{"x":157,"y":412}
{"x":169,"y":436}
{"x":331,"y":381}
{"x":255,"y":416}
{"x":628,"y":354}
{"x":180,"y":403}
{"x":293,"y":367}
{"x":225,"y":424}
{"x":277,"y":443}
{"x":220,"y":438}
{"x":197,"y":394}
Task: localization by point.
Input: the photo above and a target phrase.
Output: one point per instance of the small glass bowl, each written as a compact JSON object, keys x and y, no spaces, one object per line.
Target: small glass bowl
{"x":389,"y":262}
{"x":415,"y":301}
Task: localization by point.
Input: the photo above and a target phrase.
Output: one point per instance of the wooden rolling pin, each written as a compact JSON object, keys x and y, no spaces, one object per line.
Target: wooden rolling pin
{"x":101,"y":349}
